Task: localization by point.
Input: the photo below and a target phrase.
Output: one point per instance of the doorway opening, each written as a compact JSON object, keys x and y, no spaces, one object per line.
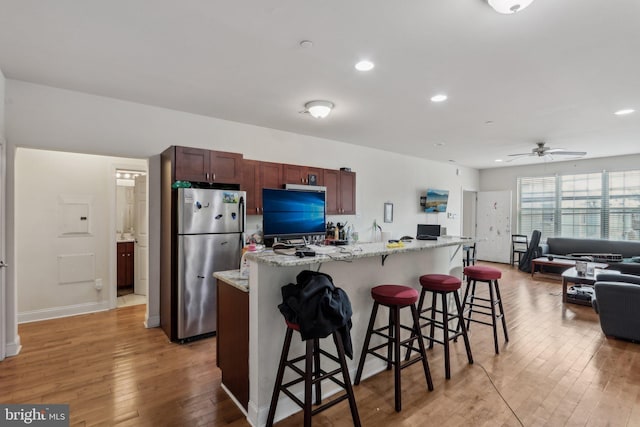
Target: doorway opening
{"x":130,"y":230}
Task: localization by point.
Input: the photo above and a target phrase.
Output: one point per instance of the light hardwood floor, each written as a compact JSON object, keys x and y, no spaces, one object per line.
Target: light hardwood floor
{"x":558,"y":369}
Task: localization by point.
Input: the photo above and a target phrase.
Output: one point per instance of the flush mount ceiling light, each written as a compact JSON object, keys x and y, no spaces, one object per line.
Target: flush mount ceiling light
{"x":439,"y":97}
{"x":508,"y":7}
{"x":318,"y":109}
{"x":624,"y":112}
{"x":364,"y":65}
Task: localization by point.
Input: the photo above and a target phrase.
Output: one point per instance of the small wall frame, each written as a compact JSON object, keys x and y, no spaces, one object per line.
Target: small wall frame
{"x":388,"y":212}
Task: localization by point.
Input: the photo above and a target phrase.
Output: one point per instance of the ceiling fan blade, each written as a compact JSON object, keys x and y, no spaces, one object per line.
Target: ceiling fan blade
{"x":568,"y":153}
{"x":517,"y":156}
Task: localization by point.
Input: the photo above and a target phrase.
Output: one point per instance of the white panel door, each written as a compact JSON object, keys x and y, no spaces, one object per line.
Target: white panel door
{"x":141,"y":268}
{"x":493,"y":226}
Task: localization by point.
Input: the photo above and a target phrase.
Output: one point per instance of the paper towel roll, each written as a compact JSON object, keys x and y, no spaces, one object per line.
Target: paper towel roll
{"x":386,"y":235}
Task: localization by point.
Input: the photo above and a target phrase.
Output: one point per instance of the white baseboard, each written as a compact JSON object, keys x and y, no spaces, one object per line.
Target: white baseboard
{"x":152,"y":322}
{"x":57,"y":312}
{"x":13,"y":348}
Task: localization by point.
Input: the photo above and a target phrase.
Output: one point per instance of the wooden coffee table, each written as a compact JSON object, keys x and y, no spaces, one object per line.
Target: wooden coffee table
{"x":555,"y":262}
{"x":571,"y":276}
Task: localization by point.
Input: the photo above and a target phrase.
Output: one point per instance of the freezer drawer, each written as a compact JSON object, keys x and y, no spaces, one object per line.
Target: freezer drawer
{"x":199,"y":256}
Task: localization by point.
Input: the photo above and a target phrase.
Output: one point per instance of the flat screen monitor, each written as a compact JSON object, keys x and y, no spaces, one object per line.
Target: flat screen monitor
{"x":293,"y":213}
{"x":428,"y":230}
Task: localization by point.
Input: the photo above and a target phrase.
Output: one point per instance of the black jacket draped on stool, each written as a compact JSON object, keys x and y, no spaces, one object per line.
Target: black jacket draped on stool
{"x":318,"y":307}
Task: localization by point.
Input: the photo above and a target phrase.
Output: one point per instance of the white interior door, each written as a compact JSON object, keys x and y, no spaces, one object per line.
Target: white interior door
{"x":141,"y":231}
{"x":493,"y":226}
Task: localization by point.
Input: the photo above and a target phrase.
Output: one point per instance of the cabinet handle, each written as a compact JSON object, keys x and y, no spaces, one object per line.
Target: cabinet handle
{"x":214,"y":176}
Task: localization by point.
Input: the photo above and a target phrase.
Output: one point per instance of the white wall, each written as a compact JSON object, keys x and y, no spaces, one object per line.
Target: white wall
{"x":3,"y":292}
{"x":505,"y":178}
{"x":43,"y":179}
{"x":50,"y":118}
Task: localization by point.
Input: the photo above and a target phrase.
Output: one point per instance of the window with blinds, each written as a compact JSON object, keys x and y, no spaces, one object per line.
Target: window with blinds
{"x":602,"y":205}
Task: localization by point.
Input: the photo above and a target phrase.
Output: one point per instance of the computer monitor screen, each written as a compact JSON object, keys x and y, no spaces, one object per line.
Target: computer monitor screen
{"x":428,"y":230}
{"x":293,"y":213}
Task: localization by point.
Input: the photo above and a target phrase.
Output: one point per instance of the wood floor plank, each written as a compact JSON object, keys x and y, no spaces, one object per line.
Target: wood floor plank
{"x":557,"y":370}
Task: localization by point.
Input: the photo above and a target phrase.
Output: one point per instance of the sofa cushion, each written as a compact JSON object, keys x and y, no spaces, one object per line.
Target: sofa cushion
{"x":566,"y":246}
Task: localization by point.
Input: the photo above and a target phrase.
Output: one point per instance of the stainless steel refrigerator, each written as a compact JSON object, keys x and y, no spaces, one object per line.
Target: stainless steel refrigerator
{"x":210,"y":228}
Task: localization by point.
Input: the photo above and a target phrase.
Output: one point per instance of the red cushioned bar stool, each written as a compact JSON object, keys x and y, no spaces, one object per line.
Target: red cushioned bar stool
{"x":312,"y":375}
{"x":489,"y":275}
{"x":395,"y":297}
{"x":443,"y":285}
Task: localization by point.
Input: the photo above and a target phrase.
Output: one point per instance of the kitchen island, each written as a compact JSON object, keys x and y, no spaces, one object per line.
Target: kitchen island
{"x":354,"y":268}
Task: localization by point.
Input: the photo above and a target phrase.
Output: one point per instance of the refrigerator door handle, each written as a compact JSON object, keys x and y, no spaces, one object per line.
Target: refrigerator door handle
{"x":241,"y":213}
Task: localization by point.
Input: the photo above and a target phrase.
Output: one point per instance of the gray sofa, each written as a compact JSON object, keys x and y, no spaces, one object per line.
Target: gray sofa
{"x":564,"y":247}
{"x":617,"y":301}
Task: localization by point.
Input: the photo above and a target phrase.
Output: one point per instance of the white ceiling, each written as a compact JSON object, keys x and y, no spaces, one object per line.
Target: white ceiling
{"x":555,"y":71}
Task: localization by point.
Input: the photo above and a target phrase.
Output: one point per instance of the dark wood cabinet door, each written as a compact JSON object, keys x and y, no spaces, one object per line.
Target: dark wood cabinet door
{"x":294,"y":174}
{"x":270,"y":175}
{"x":250,"y":174}
{"x":192,"y":164}
{"x":225,"y":167}
{"x":347,"y":192}
{"x":332,"y":182}
{"x":125,"y":264}
{"x":256,"y":176}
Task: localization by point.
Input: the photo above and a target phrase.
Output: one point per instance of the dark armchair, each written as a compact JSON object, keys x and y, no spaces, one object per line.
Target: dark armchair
{"x":617,"y":301}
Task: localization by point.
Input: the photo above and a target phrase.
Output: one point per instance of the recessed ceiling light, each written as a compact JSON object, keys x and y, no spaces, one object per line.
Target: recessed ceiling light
{"x":439,"y":97}
{"x":488,"y":122}
{"x":438,"y":144}
{"x":365,"y":65}
{"x":624,"y":112}
{"x":498,"y":160}
{"x":306,"y":43}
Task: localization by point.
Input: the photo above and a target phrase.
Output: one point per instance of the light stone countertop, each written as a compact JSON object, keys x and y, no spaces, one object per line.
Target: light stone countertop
{"x":355,"y":251}
{"x":233,"y":278}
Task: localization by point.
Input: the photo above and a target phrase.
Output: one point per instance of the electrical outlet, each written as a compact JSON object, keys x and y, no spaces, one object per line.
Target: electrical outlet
{"x":98,"y":284}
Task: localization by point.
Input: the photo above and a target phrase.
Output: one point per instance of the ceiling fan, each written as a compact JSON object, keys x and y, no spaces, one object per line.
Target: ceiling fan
{"x":541,"y":151}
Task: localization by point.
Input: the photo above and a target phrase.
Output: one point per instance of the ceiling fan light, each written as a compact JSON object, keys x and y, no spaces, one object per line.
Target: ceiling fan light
{"x":318,"y":109}
{"x":508,"y":7}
